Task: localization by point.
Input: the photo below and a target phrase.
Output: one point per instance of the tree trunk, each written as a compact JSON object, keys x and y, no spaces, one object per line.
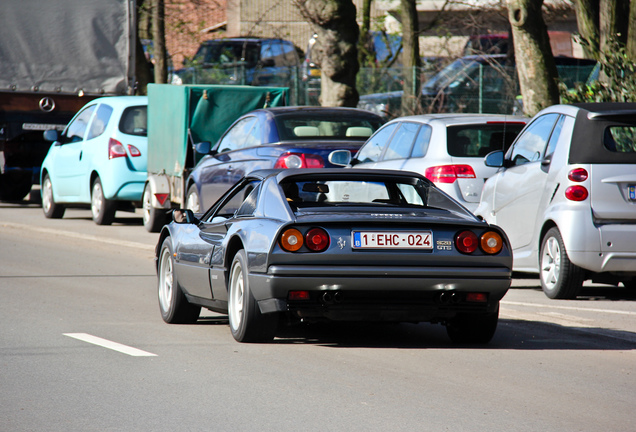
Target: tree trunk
{"x":337,"y":54}
{"x":159,"y":42}
{"x":363,"y":40}
{"x":631,"y":32}
{"x":410,"y":56}
{"x":534,"y":60}
{"x":587,"y":16}
{"x":142,"y":65}
{"x":613,"y":19}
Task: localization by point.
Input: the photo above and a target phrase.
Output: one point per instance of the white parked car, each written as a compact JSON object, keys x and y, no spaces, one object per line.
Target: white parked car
{"x":446,"y":148}
{"x":565,"y":194}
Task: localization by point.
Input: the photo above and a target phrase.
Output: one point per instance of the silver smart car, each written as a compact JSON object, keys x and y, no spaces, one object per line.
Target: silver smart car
{"x":565,"y":194}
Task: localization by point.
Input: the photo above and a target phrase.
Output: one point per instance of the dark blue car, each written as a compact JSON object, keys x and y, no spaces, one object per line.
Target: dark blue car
{"x":282,"y":137}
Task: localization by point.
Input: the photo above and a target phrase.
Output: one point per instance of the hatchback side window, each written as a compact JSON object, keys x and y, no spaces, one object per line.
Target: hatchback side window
{"x":77,"y":128}
{"x":100,"y":121}
{"x":421,"y":141}
{"x":373,"y":148}
{"x":531,"y":144}
{"x":554,"y":138}
{"x":402,"y":142}
{"x":236,"y":138}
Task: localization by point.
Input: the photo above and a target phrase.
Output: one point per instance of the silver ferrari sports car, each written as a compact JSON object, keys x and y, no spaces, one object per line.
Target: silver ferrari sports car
{"x":334,"y":244}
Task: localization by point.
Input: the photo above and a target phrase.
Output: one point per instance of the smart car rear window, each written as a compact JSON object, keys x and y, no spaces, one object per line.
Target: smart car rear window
{"x":620,"y":139}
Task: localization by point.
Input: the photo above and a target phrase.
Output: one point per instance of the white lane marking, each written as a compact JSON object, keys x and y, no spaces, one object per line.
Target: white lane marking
{"x":80,"y":236}
{"x":513,"y":303}
{"x":105,"y":343}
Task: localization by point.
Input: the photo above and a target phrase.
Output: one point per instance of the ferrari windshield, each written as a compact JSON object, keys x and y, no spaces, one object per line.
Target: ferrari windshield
{"x":330,"y":193}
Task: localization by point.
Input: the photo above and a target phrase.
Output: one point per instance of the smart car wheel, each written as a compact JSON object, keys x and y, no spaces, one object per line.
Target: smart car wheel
{"x":51,"y":209}
{"x":560,"y":279}
{"x":473,"y":328}
{"x":103,"y":209}
{"x":246,"y":321}
{"x":173,"y":304}
{"x":192,"y":199}
{"x":153,"y":218}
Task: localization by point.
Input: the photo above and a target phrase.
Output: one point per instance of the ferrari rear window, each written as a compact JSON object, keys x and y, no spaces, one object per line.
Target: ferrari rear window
{"x":332,"y":193}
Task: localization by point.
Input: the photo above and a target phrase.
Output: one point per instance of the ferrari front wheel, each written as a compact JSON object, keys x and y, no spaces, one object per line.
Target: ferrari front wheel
{"x":173,"y":304}
{"x":247,"y":323}
{"x":473,"y":328}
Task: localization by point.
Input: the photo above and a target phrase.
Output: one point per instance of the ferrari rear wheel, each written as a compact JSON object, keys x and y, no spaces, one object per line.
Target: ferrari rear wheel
{"x":473,"y":328}
{"x":247,"y":323}
{"x":103,"y":209}
{"x":560,"y":279}
{"x":173,"y":304}
{"x":52,"y":210}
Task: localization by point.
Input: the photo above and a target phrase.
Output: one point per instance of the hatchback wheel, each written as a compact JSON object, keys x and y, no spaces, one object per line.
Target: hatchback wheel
{"x":173,"y":304}
{"x":103,"y":209}
{"x":247,"y":324}
{"x":560,"y":279}
{"x":51,"y":209}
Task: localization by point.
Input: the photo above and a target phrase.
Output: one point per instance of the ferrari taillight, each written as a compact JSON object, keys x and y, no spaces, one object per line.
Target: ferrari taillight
{"x":314,"y":239}
{"x":490,"y":242}
{"x":291,"y":240}
{"x":317,"y":239}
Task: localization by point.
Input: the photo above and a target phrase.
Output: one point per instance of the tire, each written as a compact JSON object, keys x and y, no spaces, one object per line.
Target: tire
{"x":473,"y":328}
{"x":173,"y":304}
{"x":153,"y":218}
{"x":51,"y":209}
{"x":247,"y":324}
{"x":103,"y":209}
{"x":560,"y":279}
{"x":193,"y":202}
{"x":15,"y":186}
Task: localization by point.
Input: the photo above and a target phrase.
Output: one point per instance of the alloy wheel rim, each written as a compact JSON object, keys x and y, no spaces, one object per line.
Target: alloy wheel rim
{"x":146,"y":207}
{"x":551,"y":263}
{"x":166,"y":281}
{"x":47,"y":197}
{"x":236,"y":297}
{"x":97,"y":200}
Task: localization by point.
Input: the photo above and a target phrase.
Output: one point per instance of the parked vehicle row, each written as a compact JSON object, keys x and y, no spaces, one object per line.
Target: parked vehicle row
{"x":564,"y":191}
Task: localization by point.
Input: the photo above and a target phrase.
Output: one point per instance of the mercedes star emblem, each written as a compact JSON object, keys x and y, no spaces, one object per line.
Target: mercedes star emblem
{"x":47,"y":104}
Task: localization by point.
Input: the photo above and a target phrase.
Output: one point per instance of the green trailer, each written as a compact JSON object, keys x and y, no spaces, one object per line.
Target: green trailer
{"x":181,"y":116}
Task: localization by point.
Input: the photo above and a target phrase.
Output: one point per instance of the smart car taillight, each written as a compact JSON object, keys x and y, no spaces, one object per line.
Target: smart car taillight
{"x":291,"y":240}
{"x":578,"y":175}
{"x":466,"y":242}
{"x":449,"y":173}
{"x":576,"y":193}
{"x":491,"y":242}
{"x":115,"y":149}
{"x":299,"y":160}
{"x":133,"y":151}
{"x":317,"y":239}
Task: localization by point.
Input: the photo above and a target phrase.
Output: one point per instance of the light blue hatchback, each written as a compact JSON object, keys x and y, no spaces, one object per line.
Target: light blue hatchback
{"x":99,"y":159}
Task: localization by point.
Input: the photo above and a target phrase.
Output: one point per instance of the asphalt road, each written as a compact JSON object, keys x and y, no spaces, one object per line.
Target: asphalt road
{"x":83,"y":348}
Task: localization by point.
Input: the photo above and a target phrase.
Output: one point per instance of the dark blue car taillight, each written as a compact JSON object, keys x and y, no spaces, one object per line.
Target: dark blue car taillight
{"x":299,"y":160}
